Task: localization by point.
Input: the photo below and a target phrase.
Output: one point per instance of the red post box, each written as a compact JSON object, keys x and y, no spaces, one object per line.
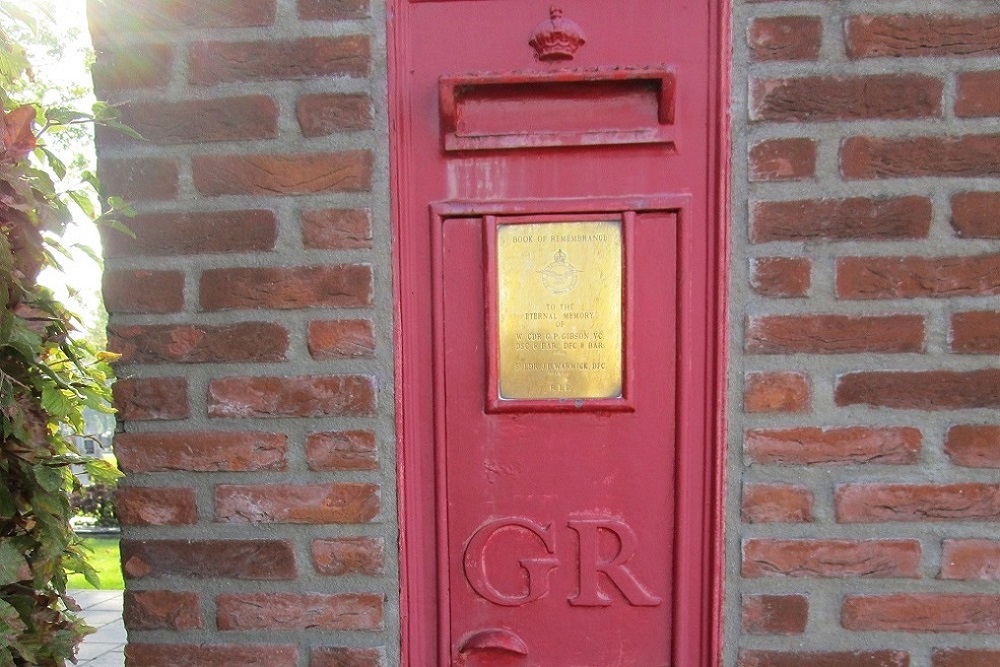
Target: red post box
{"x":557,"y":218}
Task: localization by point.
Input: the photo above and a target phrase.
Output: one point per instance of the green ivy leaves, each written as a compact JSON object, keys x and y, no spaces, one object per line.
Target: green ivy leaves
{"x":48,"y":377}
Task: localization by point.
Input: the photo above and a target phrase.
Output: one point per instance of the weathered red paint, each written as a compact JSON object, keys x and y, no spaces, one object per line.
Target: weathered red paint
{"x":620,"y":105}
{"x":553,"y":534}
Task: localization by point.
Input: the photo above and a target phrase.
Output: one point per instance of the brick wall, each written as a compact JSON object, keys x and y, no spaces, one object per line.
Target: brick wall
{"x":864,"y":378}
{"x":253,"y":315}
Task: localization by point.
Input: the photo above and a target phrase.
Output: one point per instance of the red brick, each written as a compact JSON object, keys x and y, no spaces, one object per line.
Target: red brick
{"x":347,"y":502}
{"x":783,"y":160}
{"x":965,"y":657}
{"x":834,"y":334}
{"x":332,"y":10}
{"x":201,"y":451}
{"x":974,"y":445}
{"x":920,"y":390}
{"x":332,"y":286}
{"x":886,"y":658}
{"x":908,"y":277}
{"x":112,"y":17}
{"x":162,"y":610}
{"x":858,"y":218}
{"x":336,"y":229}
{"x":971,"y":560}
{"x":145,"y":399}
{"x":974,"y":215}
{"x":834,"y":446}
{"x":197,"y":121}
{"x":342,"y":450}
{"x":291,"y":174}
{"x":970,"y":156}
{"x":149,"y":506}
{"x":978,"y":614}
{"x":777,"y":392}
{"x":831,"y":558}
{"x":212,"y":63}
{"x":348,"y":555}
{"x":781,"y":277}
{"x":785,"y":38}
{"x":978,"y":94}
{"x":193,"y":233}
{"x":197,"y":344}
{"x":776,"y":503}
{"x":834,"y":98}
{"x":341,"y":339}
{"x":144,"y":291}
{"x":256,"y":559}
{"x":975,"y":332}
{"x":876,"y":503}
{"x":320,"y":396}
{"x":916,"y":35}
{"x":322,"y":114}
{"x":299,"y":611}
{"x":330,"y":656}
{"x":205,"y":655}
{"x":129,"y":66}
{"x":137,"y":179}
{"x":775,"y":614}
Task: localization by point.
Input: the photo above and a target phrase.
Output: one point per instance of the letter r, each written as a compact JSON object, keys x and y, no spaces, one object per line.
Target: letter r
{"x":591,"y":564}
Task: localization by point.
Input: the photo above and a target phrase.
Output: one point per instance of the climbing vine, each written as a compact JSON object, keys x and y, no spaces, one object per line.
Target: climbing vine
{"x":48,"y":372}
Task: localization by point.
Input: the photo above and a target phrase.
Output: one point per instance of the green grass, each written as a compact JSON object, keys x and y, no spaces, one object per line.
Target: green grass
{"x":106,"y":561}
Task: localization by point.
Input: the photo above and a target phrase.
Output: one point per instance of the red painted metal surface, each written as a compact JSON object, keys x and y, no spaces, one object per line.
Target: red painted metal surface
{"x":537,"y":532}
{"x":561,"y":108}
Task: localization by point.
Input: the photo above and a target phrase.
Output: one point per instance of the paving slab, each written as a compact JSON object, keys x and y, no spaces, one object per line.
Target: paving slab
{"x":103,"y":611}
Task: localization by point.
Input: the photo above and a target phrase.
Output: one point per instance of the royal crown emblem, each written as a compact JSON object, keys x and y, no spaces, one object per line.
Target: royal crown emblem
{"x":559,"y":277}
{"x":557,"y":38}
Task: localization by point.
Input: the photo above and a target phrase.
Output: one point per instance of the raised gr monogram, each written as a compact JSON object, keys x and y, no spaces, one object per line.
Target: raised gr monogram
{"x":542,"y":560}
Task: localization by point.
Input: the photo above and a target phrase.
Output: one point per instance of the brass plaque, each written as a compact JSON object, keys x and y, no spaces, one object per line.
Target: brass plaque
{"x":559,"y":310}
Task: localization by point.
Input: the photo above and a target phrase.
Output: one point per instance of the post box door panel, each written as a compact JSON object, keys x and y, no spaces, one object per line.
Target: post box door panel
{"x":559,"y":509}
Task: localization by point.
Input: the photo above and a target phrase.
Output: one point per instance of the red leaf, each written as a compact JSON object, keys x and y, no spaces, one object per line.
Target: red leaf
{"x":18,"y":139}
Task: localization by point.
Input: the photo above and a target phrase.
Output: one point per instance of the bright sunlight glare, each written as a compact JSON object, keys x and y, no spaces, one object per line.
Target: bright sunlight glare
{"x":79,"y":283}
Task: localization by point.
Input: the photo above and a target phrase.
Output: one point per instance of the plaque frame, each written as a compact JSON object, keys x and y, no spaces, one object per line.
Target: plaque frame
{"x":626,"y":208}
